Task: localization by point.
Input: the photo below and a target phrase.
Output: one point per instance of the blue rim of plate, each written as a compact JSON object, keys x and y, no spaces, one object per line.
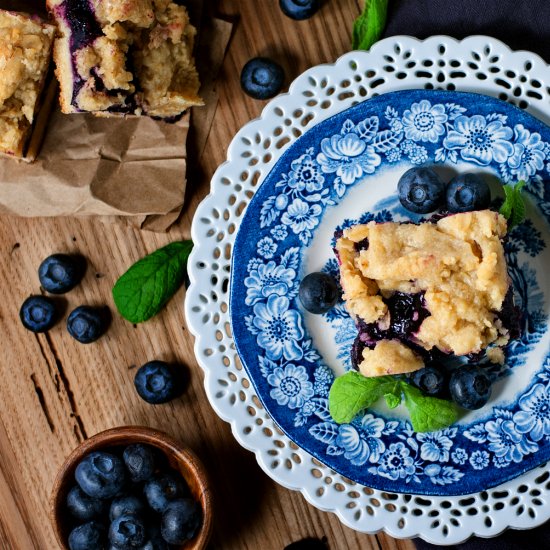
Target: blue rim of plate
{"x":404,"y":129}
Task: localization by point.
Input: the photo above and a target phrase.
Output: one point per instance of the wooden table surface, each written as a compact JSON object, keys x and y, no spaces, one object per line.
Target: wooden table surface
{"x":54,"y":392}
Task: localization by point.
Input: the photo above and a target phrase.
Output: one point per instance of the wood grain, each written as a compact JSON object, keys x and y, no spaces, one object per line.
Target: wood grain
{"x":54,"y":392}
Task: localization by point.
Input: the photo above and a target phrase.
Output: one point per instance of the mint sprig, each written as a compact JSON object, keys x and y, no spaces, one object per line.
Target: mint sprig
{"x":353,"y":392}
{"x":369,"y":26}
{"x":392,"y":400}
{"x":146,"y":287}
{"x":428,"y":413}
{"x":513,"y":208}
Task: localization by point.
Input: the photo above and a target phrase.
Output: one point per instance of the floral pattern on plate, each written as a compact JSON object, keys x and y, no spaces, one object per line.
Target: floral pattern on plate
{"x":289,"y":374}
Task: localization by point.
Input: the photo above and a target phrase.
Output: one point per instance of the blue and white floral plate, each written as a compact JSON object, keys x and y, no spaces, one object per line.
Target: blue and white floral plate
{"x":345,"y":171}
{"x":477,"y":64}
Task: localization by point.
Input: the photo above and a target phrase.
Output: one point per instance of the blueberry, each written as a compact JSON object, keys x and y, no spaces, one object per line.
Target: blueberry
{"x":86,"y":323}
{"x":128,"y":505}
{"x":38,"y":313}
{"x":420,"y":190}
{"x":127,"y":532}
{"x":318,"y":292}
{"x":59,"y":273}
{"x":429,"y":379}
{"x":262,"y":78}
{"x":299,"y":9}
{"x":467,"y":192}
{"x":89,"y":536}
{"x":157,"y":382}
{"x":163,"y":489}
{"x":140,"y":461}
{"x":101,"y":475}
{"x":156,"y":541}
{"x":181,"y":521}
{"x":84,"y":507}
{"x":470,"y":387}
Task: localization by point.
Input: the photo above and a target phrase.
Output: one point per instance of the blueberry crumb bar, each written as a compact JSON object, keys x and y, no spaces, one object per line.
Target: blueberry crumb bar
{"x":125,"y":57}
{"x":419,"y":290}
{"x":25,"y":54}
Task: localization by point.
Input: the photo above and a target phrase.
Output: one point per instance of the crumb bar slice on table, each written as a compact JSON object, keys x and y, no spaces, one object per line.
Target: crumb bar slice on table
{"x":418,"y":290}
{"x":25,"y":54}
{"x":125,"y":57}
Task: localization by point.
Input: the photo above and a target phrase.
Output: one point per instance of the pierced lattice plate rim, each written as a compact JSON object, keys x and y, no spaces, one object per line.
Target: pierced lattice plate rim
{"x":478,"y":64}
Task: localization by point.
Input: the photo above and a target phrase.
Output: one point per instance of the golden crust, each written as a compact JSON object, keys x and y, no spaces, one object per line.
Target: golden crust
{"x":457,"y":262}
{"x":25,"y":53}
{"x":154,"y":37}
{"x":389,"y":357}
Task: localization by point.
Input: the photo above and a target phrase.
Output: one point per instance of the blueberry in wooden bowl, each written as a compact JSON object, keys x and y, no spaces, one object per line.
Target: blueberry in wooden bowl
{"x":131,"y":486}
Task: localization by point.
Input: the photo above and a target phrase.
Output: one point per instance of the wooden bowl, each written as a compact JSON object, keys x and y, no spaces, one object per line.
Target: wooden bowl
{"x":178,"y":457}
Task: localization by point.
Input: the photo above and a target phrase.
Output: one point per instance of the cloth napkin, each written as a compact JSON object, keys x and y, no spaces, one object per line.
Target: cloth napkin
{"x":523,"y":25}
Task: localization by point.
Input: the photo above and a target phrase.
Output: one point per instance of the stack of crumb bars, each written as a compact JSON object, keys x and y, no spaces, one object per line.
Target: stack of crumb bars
{"x":130,"y":57}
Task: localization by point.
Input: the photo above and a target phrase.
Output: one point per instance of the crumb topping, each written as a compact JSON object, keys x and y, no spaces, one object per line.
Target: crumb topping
{"x":459,"y":265}
{"x":389,"y":357}
{"x":137,"y":58}
{"x":25,"y":51}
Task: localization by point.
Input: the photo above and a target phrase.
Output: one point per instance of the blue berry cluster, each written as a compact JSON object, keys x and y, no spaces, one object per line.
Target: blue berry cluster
{"x":422,"y":191}
{"x":126,"y":498}
{"x":58,"y":274}
{"x":469,"y":386}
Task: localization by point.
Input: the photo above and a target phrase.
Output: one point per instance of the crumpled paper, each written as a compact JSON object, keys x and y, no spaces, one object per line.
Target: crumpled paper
{"x":133,"y":167}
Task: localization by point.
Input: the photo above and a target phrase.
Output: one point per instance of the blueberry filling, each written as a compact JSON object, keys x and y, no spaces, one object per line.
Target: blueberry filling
{"x":434,"y":218}
{"x":362,"y":245}
{"x":511,"y":315}
{"x":129,"y":105}
{"x":407,"y":312}
{"x":79,"y":16}
{"x":359,"y":345}
{"x":170,"y":119}
{"x":338,"y":234}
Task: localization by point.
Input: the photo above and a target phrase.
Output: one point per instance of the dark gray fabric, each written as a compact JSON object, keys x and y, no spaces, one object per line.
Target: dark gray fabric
{"x":534,"y":539}
{"x":523,"y":25}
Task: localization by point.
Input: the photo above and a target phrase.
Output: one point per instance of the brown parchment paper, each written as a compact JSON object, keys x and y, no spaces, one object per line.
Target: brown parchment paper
{"x":213,"y":40}
{"x":133,"y":167}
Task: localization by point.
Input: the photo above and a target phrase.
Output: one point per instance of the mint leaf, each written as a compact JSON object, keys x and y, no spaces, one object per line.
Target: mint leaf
{"x":146,"y":287}
{"x":392,"y":399}
{"x":513,"y":208}
{"x":368,"y":27}
{"x":428,"y":413}
{"x":506,"y":208}
{"x":353,"y":392}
